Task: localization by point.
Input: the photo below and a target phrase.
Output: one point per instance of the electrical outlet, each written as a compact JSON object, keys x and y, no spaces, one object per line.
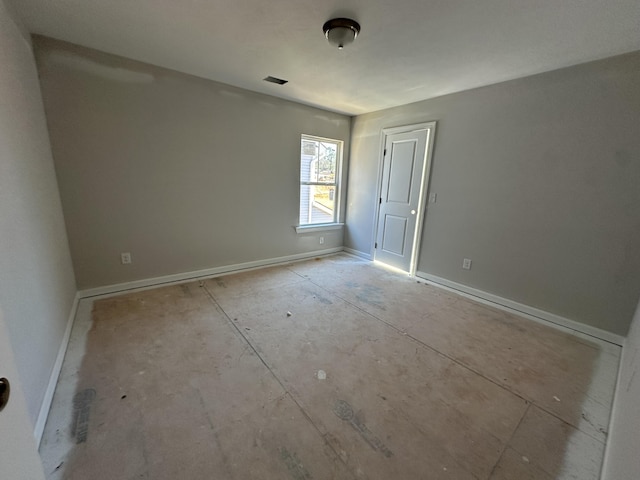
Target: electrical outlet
{"x":321,"y":240}
{"x":125,"y":258}
{"x":433,"y":197}
{"x":466,"y":264}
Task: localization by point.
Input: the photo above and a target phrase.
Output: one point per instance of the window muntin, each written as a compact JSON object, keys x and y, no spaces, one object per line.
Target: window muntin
{"x":320,"y":161}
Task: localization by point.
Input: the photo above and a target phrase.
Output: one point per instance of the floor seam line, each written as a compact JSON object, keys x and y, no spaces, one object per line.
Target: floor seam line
{"x":554,"y":415}
{"x":425,"y":345}
{"x":508,"y":442}
{"x":529,"y":401}
{"x":280,"y":382}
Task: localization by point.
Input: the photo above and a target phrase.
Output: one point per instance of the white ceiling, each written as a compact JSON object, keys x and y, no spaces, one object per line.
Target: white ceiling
{"x":408,"y":50}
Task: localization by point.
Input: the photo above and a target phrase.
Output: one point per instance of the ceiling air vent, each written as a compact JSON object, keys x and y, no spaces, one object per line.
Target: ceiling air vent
{"x":271,"y":79}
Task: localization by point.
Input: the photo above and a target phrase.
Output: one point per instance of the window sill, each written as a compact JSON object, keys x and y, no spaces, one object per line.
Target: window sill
{"x":318,"y":227}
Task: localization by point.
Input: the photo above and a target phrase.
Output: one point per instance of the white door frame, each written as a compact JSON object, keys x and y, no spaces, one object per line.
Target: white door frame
{"x":424,"y":184}
{"x":19,"y":459}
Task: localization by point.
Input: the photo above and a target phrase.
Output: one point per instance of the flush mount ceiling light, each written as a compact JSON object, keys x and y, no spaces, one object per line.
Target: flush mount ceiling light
{"x":341,"y":31}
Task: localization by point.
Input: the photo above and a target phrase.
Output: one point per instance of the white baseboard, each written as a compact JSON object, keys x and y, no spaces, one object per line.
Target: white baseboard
{"x":521,"y":309}
{"x":358,"y":253}
{"x":206,"y":273}
{"x":615,"y":411}
{"x":55,"y":374}
{"x":470,"y":292}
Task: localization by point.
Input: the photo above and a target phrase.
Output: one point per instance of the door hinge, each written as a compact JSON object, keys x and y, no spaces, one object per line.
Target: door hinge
{"x":385,"y":152}
{"x":380,"y":200}
{"x":376,"y":245}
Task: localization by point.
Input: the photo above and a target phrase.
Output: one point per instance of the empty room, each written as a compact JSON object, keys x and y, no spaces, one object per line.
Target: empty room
{"x":319,"y":240}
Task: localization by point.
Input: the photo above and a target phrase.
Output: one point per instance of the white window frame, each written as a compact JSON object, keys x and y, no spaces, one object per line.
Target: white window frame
{"x":335,"y":224}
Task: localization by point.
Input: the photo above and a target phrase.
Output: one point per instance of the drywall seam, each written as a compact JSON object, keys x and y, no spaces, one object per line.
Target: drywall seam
{"x":357,"y":253}
{"x":55,"y":374}
{"x":208,"y":272}
{"x":531,"y":313}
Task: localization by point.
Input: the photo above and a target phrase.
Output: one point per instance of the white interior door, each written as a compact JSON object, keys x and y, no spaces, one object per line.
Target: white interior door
{"x":19,"y":459}
{"x":404,"y":170}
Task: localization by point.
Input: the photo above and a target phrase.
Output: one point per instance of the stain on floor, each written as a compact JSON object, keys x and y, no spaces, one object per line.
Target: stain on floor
{"x":221,"y":378}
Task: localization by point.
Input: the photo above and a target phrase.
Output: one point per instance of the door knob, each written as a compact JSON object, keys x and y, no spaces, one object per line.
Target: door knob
{"x":5,"y":390}
{"x":413,"y":212}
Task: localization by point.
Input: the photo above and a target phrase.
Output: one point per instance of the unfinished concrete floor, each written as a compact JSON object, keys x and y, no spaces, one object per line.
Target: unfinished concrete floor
{"x":327,"y":369}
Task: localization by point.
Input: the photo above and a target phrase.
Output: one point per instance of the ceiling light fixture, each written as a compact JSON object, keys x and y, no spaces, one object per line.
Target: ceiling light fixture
{"x":341,"y":31}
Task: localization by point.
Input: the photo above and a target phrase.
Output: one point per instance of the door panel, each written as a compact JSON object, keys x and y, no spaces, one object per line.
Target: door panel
{"x":401,"y":172}
{"x":395,"y":232}
{"x":401,"y":192}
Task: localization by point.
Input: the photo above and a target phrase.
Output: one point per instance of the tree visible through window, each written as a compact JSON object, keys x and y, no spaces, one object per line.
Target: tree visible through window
{"x":319,"y":180}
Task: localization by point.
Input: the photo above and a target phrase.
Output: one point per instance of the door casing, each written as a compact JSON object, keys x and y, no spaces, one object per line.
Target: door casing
{"x":424,"y":184}
{"x":19,"y":459}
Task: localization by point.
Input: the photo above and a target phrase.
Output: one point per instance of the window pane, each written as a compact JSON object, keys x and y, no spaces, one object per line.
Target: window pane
{"x":319,"y":165}
{"x":318,"y":161}
{"x":308,"y":161}
{"x":317,"y":204}
{"x":327,"y":154}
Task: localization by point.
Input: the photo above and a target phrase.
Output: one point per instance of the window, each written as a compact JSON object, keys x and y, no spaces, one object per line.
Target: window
{"x":320,"y":160}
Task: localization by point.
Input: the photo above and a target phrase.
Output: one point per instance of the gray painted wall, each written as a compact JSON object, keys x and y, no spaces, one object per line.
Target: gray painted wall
{"x":621,"y":457}
{"x":37,"y":287}
{"x":538,"y":182}
{"x":182,"y":172}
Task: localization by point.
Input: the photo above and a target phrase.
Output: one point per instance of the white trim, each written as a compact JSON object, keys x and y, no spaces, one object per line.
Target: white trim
{"x":422,"y":203}
{"x":430,"y":128}
{"x":531,"y":313}
{"x":357,"y":253}
{"x":376,"y":210}
{"x":318,"y":227}
{"x":199,"y":274}
{"x":55,"y":374}
{"x":606,"y":459}
{"x":337,"y":207}
{"x":414,"y":127}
